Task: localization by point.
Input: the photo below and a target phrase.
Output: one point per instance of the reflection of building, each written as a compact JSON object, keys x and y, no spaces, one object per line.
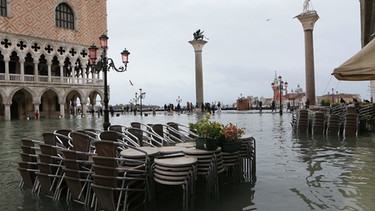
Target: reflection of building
{"x":44,"y":56}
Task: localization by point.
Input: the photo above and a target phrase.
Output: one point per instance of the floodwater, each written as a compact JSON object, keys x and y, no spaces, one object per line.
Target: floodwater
{"x":292,"y":173}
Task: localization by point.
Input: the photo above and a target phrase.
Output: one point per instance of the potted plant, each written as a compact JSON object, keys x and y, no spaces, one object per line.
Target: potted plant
{"x":232,"y":138}
{"x":208,"y":133}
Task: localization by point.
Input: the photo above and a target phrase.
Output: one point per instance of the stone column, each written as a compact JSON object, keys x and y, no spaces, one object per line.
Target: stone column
{"x":36,"y":71}
{"x":308,"y":20}
{"x":198,"y":46}
{"x":61,"y":65}
{"x":22,"y":68}
{"x":6,"y":62}
{"x":49,"y":66}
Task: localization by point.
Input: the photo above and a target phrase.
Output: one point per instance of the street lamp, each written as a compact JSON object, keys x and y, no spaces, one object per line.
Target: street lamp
{"x":140,"y":97}
{"x":105,"y":64}
{"x":280,"y":86}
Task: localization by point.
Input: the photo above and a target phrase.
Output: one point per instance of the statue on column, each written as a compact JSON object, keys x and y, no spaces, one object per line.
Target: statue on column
{"x":198,"y":35}
{"x":306,"y":6}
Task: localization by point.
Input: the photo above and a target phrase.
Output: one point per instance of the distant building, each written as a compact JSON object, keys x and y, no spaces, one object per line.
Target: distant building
{"x":243,"y":104}
{"x":44,"y":57}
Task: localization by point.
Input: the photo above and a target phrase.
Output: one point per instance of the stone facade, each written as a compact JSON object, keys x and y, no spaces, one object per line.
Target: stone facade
{"x":43,"y":67}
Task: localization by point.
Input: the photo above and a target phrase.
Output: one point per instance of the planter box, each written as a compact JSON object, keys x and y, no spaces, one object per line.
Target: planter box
{"x":231,"y":147}
{"x":206,"y":144}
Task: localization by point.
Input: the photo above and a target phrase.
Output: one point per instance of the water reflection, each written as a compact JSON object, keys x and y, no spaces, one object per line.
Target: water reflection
{"x":294,"y":171}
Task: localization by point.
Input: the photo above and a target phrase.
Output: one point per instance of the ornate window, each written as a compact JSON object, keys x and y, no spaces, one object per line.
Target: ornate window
{"x":64,"y":16}
{"x":3,"y":7}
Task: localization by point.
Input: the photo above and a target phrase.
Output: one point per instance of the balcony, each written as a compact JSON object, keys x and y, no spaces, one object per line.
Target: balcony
{"x":43,"y":79}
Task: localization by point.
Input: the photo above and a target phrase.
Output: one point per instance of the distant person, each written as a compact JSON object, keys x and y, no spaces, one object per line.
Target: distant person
{"x":36,"y":114}
{"x":307,"y":103}
{"x":260,"y":106}
{"x":273,"y":106}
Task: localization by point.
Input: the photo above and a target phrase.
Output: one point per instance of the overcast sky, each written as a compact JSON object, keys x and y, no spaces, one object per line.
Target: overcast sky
{"x":248,"y":40}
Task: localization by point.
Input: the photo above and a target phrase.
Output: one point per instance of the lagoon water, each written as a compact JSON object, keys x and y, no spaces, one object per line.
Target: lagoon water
{"x":293,"y":172}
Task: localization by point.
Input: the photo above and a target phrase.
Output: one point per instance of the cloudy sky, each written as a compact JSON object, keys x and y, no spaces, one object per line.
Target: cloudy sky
{"x":248,"y":40}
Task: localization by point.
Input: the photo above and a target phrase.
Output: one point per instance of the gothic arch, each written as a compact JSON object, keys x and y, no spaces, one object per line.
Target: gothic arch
{"x":32,"y":93}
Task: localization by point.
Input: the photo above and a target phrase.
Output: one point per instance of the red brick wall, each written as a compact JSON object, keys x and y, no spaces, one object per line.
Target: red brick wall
{"x":37,"y":18}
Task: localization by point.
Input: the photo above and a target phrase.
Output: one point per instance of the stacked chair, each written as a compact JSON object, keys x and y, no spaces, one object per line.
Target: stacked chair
{"x":300,"y":121}
{"x":119,"y":183}
{"x":333,"y":125}
{"x":209,"y":165}
{"x":78,"y":167}
{"x":248,"y":159}
{"x":28,"y":166}
{"x":318,"y":126}
{"x":50,"y":166}
{"x":178,"y":171}
{"x":350,"y":122}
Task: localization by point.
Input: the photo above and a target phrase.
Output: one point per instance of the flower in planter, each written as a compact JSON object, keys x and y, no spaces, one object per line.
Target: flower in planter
{"x":232,"y":133}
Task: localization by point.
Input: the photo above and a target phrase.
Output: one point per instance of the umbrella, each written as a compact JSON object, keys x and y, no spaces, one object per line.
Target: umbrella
{"x":360,"y":67}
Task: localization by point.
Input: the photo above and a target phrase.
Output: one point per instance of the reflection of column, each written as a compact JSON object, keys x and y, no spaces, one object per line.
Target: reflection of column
{"x":62,"y":109}
{"x":198,"y":46}
{"x":84,"y":108}
{"x":308,"y":20}
{"x":7,"y":111}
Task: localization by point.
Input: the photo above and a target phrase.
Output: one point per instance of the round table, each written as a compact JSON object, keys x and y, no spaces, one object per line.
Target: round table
{"x":133,"y":153}
{"x":186,"y":144}
{"x":170,"y":149}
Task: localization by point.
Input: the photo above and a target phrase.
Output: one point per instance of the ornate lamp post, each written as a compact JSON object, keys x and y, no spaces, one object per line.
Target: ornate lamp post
{"x":105,"y":64}
{"x":280,"y":87}
{"x":141,"y":96}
